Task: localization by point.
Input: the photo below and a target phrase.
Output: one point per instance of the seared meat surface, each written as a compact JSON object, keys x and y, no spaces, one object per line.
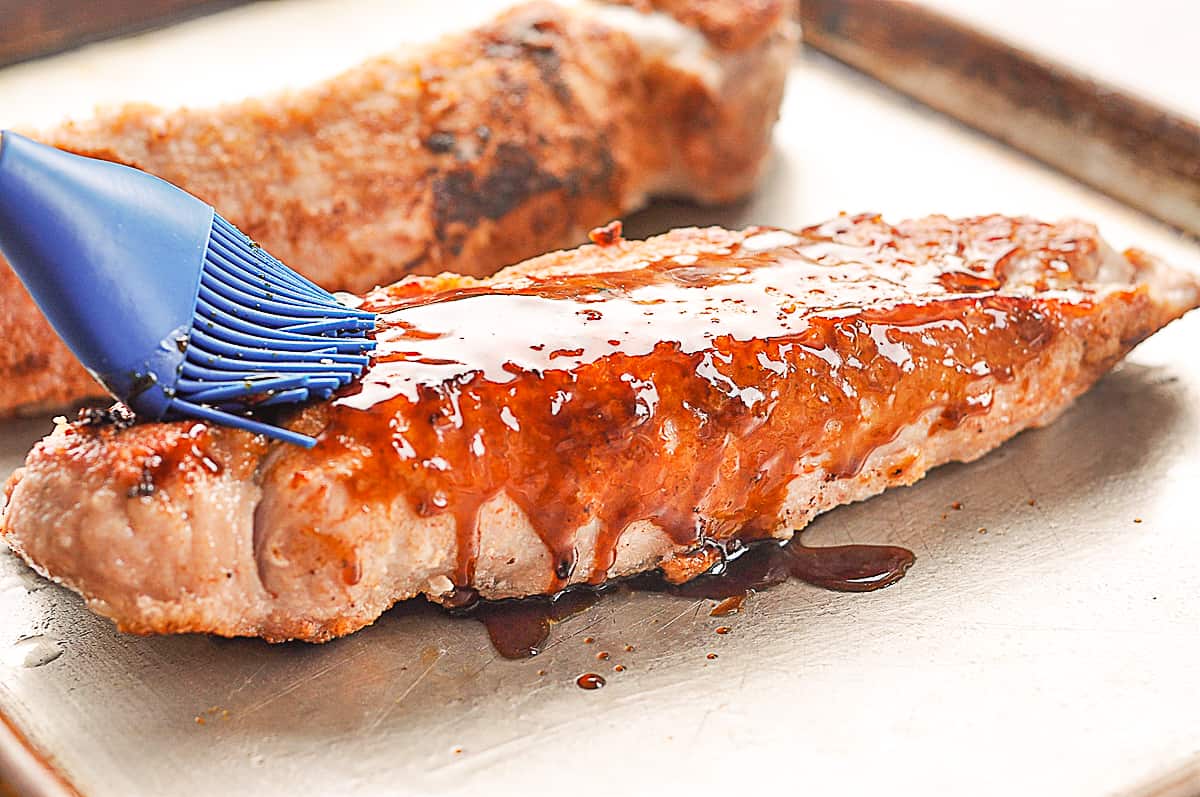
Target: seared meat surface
{"x":595,"y":413}
{"x":487,"y":148}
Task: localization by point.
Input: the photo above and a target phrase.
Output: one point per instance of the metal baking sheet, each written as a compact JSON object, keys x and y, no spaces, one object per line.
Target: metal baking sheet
{"x":1046,"y":647}
{"x":1140,"y":152}
{"x":32,"y":29}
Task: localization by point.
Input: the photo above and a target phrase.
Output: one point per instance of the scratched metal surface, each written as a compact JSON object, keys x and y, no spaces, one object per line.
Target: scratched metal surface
{"x":1056,"y":653}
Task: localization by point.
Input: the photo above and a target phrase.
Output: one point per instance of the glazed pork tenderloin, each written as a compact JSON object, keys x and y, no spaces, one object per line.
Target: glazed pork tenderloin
{"x":592,"y":414}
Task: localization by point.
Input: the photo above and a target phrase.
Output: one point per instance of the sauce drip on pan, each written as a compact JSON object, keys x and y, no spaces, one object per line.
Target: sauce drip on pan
{"x":843,"y":568}
{"x":519,"y":628}
{"x":689,"y":392}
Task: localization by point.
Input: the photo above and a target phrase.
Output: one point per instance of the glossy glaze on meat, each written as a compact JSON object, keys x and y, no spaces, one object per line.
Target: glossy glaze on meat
{"x":596,"y":413}
{"x":475,"y":153}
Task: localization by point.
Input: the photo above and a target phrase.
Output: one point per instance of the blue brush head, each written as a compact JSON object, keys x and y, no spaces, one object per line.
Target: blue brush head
{"x":170,"y":307}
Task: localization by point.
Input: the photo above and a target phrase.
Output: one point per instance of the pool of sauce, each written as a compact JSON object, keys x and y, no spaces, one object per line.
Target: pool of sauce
{"x":520,"y":629}
{"x":688,"y":389}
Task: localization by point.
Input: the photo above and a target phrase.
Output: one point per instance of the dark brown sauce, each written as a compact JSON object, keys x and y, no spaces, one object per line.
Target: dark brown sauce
{"x":590,"y":680}
{"x":850,"y":568}
{"x":519,"y":629}
{"x":842,"y":568}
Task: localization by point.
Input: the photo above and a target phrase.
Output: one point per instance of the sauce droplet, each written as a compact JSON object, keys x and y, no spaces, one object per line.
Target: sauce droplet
{"x":850,"y":568}
{"x":731,"y":605}
{"x":590,"y":680}
{"x":519,"y":628}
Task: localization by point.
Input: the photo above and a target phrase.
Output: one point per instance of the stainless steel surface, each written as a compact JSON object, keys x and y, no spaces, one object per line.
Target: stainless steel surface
{"x":1141,"y":49}
{"x":1057,"y":652}
{"x":1139,"y":152}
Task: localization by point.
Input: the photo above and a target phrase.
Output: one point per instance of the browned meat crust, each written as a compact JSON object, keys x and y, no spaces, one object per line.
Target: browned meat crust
{"x":478,"y":152}
{"x":592,"y":414}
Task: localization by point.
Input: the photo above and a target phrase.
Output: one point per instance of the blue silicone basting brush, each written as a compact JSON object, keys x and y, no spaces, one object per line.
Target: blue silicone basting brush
{"x":169,"y":306}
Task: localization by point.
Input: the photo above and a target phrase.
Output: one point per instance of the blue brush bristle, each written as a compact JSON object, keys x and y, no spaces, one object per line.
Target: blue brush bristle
{"x":263,"y":335}
{"x":169,"y":306}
